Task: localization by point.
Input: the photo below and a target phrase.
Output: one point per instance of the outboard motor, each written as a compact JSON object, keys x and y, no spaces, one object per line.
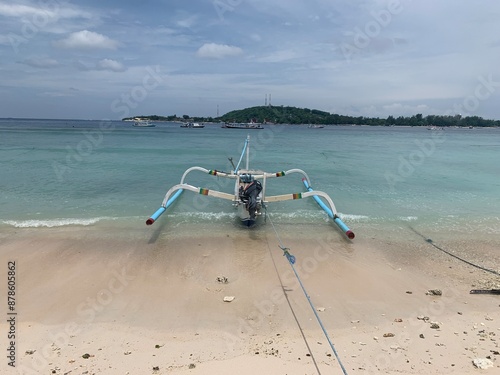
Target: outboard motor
{"x":249,"y":193}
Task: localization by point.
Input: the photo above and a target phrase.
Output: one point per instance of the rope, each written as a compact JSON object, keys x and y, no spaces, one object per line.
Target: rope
{"x":291,"y":259}
{"x":428,"y":240}
{"x":293,"y":312}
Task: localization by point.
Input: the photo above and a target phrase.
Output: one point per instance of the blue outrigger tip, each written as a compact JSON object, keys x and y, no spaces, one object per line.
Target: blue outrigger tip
{"x":349,"y":233}
{"x":162,"y":209}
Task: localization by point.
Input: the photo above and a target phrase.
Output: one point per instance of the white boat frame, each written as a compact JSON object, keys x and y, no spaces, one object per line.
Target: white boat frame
{"x":262,"y":199}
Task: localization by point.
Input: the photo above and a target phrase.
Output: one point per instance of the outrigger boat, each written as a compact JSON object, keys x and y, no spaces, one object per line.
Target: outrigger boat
{"x":249,"y":195}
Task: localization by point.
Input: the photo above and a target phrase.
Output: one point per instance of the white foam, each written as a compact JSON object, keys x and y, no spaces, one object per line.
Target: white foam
{"x":353,"y":218}
{"x":50,"y":223}
{"x":409,"y":218}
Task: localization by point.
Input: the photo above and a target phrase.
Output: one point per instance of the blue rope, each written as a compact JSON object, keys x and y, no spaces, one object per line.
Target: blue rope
{"x":291,"y":259}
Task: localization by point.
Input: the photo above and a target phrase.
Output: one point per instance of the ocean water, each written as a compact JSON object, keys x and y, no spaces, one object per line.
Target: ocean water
{"x":62,"y":173}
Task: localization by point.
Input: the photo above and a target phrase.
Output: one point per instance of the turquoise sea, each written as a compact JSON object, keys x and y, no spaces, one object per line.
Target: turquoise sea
{"x":61,"y":173}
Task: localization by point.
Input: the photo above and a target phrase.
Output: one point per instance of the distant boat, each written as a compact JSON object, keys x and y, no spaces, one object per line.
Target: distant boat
{"x":192,"y":125}
{"x":141,"y":123}
{"x":250,"y":125}
{"x":316,"y":126}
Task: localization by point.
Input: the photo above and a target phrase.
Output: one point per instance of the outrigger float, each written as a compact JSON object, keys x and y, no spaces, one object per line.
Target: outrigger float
{"x":249,"y":196}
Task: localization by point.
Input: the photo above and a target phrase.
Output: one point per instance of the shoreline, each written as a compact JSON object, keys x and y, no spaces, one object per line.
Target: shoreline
{"x":88,"y":291}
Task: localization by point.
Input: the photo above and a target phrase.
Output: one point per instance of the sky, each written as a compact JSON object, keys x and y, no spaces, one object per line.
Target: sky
{"x":113,"y":59}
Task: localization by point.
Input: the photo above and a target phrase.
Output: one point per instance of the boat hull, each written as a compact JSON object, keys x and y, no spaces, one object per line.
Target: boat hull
{"x":245,"y":217}
{"x":243,"y":126}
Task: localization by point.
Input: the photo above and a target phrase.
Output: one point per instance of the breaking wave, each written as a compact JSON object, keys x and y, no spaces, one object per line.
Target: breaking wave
{"x":52,"y":223}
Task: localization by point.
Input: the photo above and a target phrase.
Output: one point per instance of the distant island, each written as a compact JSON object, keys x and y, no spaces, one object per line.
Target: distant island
{"x":294,"y":115}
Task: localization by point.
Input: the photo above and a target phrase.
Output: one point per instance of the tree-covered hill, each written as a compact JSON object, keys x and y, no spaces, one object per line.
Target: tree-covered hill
{"x":294,"y":115}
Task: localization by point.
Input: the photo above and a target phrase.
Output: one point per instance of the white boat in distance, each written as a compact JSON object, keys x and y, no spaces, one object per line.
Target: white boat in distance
{"x":141,"y":123}
{"x":250,"y":125}
{"x":192,"y":125}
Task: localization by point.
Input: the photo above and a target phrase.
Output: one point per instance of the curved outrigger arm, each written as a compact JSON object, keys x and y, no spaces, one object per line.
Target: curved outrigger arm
{"x":177,"y":190}
{"x":332,"y":213}
{"x":212,"y":172}
{"x":331,"y":210}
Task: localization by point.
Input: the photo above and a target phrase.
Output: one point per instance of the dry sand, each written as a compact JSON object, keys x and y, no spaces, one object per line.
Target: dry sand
{"x":151,"y":304}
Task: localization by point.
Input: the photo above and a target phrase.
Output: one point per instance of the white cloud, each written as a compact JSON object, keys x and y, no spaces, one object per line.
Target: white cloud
{"x":218,"y":51}
{"x":42,"y":12}
{"x":111,"y":65}
{"x":19,"y":10}
{"x":187,"y":22}
{"x":105,"y":64}
{"x":87,"y":40}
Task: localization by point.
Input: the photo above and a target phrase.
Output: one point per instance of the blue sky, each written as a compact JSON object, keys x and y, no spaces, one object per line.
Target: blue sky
{"x":111,"y":59}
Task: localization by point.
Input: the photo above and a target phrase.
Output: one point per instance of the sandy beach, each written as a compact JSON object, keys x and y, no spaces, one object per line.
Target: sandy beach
{"x":92,"y":302}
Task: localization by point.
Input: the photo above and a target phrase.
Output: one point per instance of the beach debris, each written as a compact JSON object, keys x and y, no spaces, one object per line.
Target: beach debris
{"x":482,"y":363}
{"x":30,"y":352}
{"x":156,"y":368}
{"x":191,"y":366}
{"x":424,"y":318}
{"x":320,"y":309}
{"x":398,"y":320}
{"x":272,"y":351}
{"x":434,"y":292}
{"x":485,"y":291}
{"x":86,"y":356}
{"x":421,"y":336}
{"x":158,"y":346}
{"x":389,"y":334}
{"x":127,"y":353}
{"x":354,"y":321}
{"x":229,"y":298}
{"x":222,"y":279}
{"x":434,"y":325}
{"x":409,"y":292}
